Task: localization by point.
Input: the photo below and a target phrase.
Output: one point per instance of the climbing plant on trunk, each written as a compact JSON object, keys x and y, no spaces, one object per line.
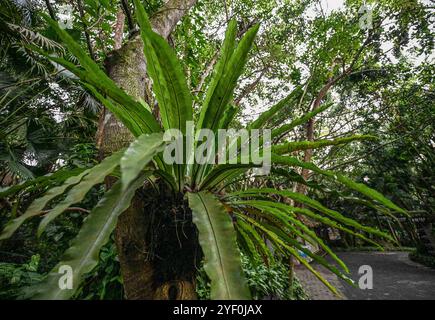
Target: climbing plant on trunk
{"x":192,"y":210}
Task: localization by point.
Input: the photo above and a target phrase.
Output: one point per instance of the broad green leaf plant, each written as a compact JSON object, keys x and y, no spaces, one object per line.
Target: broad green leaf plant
{"x":227,"y":220}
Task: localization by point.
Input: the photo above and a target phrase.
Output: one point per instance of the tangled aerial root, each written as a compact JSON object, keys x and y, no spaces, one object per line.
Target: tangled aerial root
{"x":173,"y":242}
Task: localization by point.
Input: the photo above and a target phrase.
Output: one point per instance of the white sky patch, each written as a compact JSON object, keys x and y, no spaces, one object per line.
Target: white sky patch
{"x":327,"y":6}
{"x":30,"y":160}
{"x":251,"y":112}
{"x":331,"y":5}
{"x":55,"y":111}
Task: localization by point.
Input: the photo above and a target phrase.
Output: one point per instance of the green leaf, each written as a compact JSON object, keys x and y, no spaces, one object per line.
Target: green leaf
{"x":228,"y":116}
{"x":362,"y":188}
{"x":297,"y":122}
{"x":83,"y":254}
{"x":222,"y":172}
{"x":317,"y":258}
{"x":292,"y":175}
{"x":306,"y":212}
{"x":139,"y":154}
{"x":289,"y":147}
{"x":169,"y":82}
{"x":167,"y":178}
{"x":120,"y":113}
{"x":275,"y":238}
{"x":95,"y":176}
{"x":56,"y":177}
{"x":126,"y":109}
{"x":38,"y":205}
{"x":257,"y":239}
{"x":246,"y":244}
{"x":217,"y":238}
{"x":97,"y":78}
{"x":222,"y":64}
{"x":217,"y":104}
{"x":301,"y":198}
{"x":293,"y":224}
{"x":270,"y":113}
{"x":141,"y":16}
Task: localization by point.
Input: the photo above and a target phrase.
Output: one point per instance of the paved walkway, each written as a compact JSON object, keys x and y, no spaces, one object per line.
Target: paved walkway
{"x":395,"y":277}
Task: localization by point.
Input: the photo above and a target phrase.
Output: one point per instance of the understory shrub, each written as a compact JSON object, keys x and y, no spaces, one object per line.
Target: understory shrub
{"x":265,"y":282}
{"x":426,"y":260}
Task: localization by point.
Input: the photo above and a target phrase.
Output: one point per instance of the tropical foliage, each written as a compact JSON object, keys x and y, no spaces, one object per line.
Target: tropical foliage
{"x":221,"y":214}
{"x":357,"y":163}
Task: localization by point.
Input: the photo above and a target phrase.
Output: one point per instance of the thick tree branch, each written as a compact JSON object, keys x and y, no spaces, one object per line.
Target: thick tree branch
{"x":85,"y":29}
{"x":249,"y":88}
{"x":322,"y":94}
{"x":165,"y":20}
{"x":126,"y":8}
{"x":317,"y":102}
{"x":119,"y":29}
{"x":50,"y":9}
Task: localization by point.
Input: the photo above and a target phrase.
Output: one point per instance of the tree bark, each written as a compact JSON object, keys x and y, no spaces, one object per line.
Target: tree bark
{"x":302,"y":188}
{"x":321,"y":95}
{"x":119,"y":29}
{"x":165,"y":20}
{"x":127,"y":67}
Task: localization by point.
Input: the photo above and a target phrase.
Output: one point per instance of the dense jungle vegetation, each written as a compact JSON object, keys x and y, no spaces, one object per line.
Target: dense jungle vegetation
{"x":88,"y":88}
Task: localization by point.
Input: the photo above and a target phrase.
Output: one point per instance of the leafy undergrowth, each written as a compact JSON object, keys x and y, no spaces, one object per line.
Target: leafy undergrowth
{"x":25,"y":259}
{"x":264,"y":282}
{"x":14,"y":276}
{"x":426,"y":260}
{"x":105,"y":281}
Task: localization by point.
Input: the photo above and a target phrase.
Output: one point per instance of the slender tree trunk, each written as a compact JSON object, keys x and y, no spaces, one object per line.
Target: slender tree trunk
{"x":318,"y":101}
{"x":119,"y":29}
{"x":311,"y":130}
{"x":127,"y":67}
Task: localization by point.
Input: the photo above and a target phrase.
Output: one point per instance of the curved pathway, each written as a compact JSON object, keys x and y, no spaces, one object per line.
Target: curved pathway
{"x":395,"y":277}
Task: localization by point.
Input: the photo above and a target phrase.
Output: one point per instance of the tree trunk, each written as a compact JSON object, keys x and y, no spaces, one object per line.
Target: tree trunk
{"x":127,"y":67}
